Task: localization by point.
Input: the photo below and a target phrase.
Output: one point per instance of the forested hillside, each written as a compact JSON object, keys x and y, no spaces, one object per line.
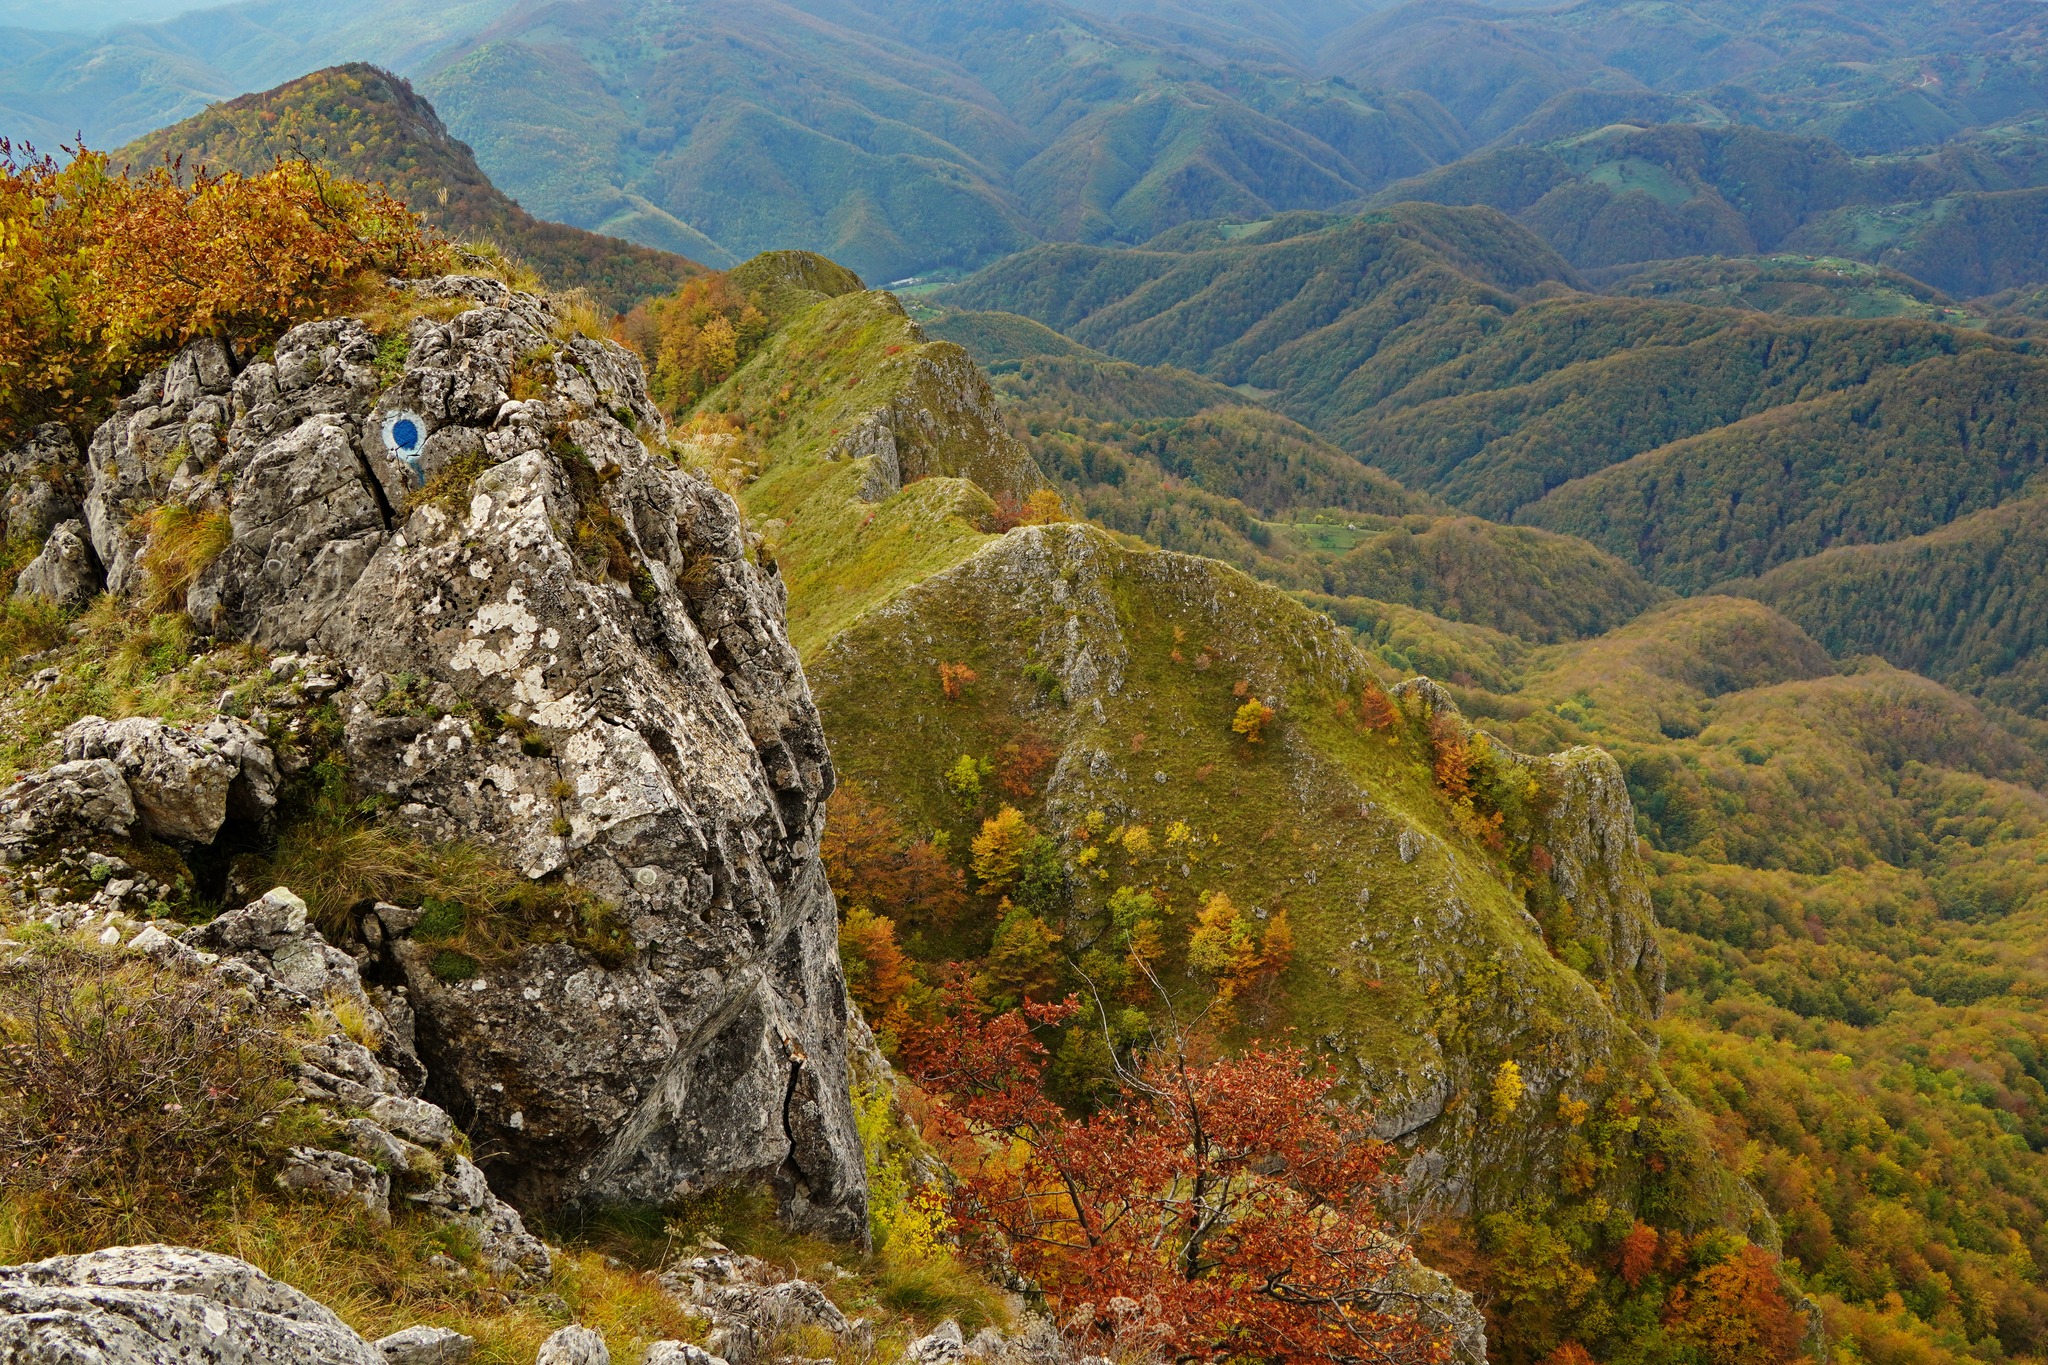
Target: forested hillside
{"x":1698,"y":444}
{"x":910,"y":139}
{"x":1190,"y":465}
{"x":363,"y":123}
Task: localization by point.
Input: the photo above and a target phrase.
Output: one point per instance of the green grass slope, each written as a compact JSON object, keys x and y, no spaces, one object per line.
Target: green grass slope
{"x":366,"y":124}
{"x":868,"y":455}
{"x":1431,"y":945}
{"x":1419,"y":968}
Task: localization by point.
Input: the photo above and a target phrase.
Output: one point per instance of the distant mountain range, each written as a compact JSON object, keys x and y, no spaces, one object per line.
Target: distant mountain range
{"x":1709,"y":448}
{"x":910,"y":138}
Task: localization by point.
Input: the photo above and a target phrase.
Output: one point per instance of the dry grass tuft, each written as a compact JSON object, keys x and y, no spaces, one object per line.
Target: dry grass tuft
{"x":182,"y":542}
{"x":578,"y":315}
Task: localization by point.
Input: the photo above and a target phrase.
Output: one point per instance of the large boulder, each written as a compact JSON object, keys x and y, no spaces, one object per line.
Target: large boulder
{"x":66,"y":573}
{"x":186,"y":780}
{"x":562,"y":651}
{"x":162,"y":1305}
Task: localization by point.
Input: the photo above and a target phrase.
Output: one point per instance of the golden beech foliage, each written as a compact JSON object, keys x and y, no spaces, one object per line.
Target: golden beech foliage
{"x":1043,"y":508}
{"x":1000,"y":847}
{"x":1638,"y":1254}
{"x":1251,"y":720}
{"x":1376,"y":709}
{"x":878,"y":975}
{"x":695,"y":339}
{"x":873,"y":863}
{"x":1216,"y":1210}
{"x":1235,"y":949}
{"x":104,"y":276}
{"x":955,"y":679}
{"x":1736,"y":1312}
{"x":1452,"y":756}
{"x":1508,"y":1089}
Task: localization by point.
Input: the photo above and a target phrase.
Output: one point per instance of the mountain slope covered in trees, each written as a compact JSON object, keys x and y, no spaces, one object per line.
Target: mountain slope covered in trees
{"x":909,"y":138}
{"x":1448,"y":347}
{"x":368,"y":125}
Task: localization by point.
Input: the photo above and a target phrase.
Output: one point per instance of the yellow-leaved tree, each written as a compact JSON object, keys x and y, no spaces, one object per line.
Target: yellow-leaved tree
{"x":105,"y":275}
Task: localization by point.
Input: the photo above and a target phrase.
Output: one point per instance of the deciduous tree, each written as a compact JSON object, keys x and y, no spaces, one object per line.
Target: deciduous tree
{"x":104,"y":275}
{"x":1222,"y":1209}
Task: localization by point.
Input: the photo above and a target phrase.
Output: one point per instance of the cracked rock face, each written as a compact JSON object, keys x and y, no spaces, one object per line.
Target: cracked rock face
{"x":564,"y":653}
{"x":402,"y":1144}
{"x":66,"y":573}
{"x":44,"y":477}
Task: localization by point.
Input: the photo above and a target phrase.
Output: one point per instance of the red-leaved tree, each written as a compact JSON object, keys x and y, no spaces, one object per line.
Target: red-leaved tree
{"x":1222,"y":1208}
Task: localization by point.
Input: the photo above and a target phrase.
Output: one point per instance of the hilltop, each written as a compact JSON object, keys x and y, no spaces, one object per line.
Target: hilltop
{"x":365,"y":124}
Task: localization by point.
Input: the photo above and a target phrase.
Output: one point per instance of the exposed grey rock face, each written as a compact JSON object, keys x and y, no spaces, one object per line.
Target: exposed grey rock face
{"x":272,"y":936}
{"x":562,"y":653}
{"x":160,"y":444}
{"x":942,"y":1346}
{"x":160,"y":1305}
{"x":311,"y":1170}
{"x":574,"y":1346}
{"x":940,"y":421}
{"x":66,"y":573}
{"x":1590,"y":831}
{"x":1442,"y":1305}
{"x":426,"y":1346}
{"x":44,"y":477}
{"x":89,"y":794}
{"x":185,"y":781}
{"x":749,"y":1303}
{"x":610,"y":700}
{"x":273,"y":948}
{"x":678,"y":1353}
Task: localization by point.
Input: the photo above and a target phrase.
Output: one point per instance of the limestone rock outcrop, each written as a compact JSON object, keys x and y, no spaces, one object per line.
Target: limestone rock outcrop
{"x":45,"y":477}
{"x":185,"y":781}
{"x":65,"y":573}
{"x":401,"y":1144}
{"x":150,"y":1305}
{"x":558,"y":650}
